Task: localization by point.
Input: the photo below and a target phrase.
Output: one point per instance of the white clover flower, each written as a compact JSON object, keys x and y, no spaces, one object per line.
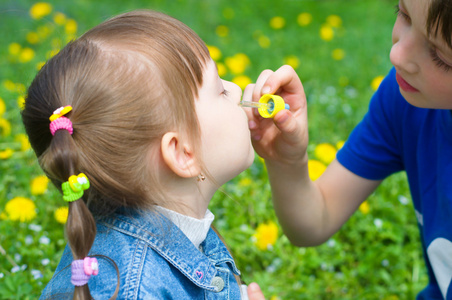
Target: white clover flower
{"x":331,"y":243}
{"x":15,"y":269}
{"x":35,"y":227}
{"x":44,"y":240}
{"x":378,"y":223}
{"x":271,"y":269}
{"x":36,"y":274}
{"x":404,"y":200}
{"x":28,"y":240}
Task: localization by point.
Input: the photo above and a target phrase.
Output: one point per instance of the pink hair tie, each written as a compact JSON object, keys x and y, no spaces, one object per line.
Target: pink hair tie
{"x":82,"y":269}
{"x":61,"y":123}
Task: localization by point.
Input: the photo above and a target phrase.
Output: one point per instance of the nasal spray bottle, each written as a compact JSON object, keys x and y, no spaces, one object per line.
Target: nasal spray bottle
{"x":268,"y":106}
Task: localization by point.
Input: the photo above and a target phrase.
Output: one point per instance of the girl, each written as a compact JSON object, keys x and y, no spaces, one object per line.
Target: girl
{"x":408,"y":127}
{"x":142,"y":133}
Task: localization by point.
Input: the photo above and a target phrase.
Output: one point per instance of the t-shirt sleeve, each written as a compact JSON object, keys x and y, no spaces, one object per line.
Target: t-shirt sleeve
{"x":372,"y":150}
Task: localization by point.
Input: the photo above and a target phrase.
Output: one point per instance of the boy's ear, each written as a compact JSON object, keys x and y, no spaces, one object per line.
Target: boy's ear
{"x":178,"y":156}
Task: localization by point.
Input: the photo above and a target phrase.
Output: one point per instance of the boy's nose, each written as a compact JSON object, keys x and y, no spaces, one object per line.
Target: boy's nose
{"x":403,"y":53}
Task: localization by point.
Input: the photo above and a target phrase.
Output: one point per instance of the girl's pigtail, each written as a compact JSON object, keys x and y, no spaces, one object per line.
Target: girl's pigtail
{"x":61,"y":163}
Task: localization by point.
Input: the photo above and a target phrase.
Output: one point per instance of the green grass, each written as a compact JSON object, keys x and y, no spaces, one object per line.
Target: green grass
{"x":361,"y":261}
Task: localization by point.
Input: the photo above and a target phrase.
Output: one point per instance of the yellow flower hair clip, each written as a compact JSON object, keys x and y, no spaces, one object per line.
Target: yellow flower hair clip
{"x":60,"y":112}
{"x":74,"y":187}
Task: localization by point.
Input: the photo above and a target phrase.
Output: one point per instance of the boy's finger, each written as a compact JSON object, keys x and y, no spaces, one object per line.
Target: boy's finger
{"x":284,"y":78}
{"x":288,"y":125}
{"x":263,"y":77}
{"x":254,"y":292}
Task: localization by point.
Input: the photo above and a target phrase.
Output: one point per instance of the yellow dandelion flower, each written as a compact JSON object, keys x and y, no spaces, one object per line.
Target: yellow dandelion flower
{"x":23,"y":140}
{"x":364,"y":207}
{"x":7,"y":153}
{"x":274,"y":297}
{"x":334,"y":21}
{"x":5,"y":127}
{"x":244,"y":182}
{"x":20,"y":88}
{"x":326,"y":33}
{"x":26,"y":55}
{"x":325,"y":152}
{"x":292,"y":61}
{"x":70,"y":27}
{"x":266,"y":235}
{"x":9,"y":85}
{"x":343,"y":81}
{"x":376,"y":82}
{"x":338,"y":54}
{"x":21,"y":102}
{"x":316,"y":168}
{"x":52,"y":53}
{"x":32,"y":37}
{"x":264,"y":41}
{"x":215,"y":53}
{"x":340,"y":144}
{"x":40,"y":10}
{"x":14,"y":49}
{"x":61,"y":214}
{"x":3,"y":216}
{"x":39,"y":65}
{"x":20,"y":209}
{"x":56,"y":43}
{"x":222,"y":31}
{"x":2,"y":107}
{"x":228,"y":13}
{"x":43,"y":31}
{"x":59,"y":18}
{"x":221,"y":69}
{"x":304,"y":19}
{"x":277,"y":22}
{"x":242,"y":81}
{"x":237,"y":63}
{"x":39,"y":185}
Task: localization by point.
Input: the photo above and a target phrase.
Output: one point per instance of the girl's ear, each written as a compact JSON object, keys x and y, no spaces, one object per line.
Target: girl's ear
{"x":178,"y":156}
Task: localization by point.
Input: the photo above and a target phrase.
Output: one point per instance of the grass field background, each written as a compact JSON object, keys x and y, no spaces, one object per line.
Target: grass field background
{"x":340,"y":49}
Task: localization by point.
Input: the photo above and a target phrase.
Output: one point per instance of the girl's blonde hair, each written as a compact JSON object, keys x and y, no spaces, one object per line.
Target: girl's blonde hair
{"x":129,"y":80}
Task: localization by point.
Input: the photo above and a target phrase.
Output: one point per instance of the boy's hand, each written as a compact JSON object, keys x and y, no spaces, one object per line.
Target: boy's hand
{"x":283,"y":139}
{"x":254,"y":292}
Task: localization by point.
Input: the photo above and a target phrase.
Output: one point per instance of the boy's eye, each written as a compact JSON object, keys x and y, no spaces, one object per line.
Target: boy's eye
{"x":400,"y":13}
{"x":439,"y":62}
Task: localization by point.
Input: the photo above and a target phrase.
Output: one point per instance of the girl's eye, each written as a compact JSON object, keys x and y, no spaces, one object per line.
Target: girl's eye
{"x":439,"y":62}
{"x":400,"y":13}
{"x":225,"y":92}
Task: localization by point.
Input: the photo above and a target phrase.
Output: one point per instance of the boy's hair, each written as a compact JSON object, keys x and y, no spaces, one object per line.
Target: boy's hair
{"x":439,"y":19}
{"x":129,"y":80}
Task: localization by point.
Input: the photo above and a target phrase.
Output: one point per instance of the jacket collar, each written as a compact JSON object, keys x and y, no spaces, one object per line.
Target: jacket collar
{"x":168,"y":240}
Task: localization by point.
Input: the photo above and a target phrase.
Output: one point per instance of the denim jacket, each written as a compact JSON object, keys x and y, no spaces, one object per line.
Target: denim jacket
{"x":155,"y":261}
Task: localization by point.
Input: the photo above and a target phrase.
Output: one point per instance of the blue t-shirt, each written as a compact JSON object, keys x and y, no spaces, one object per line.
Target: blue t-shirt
{"x":396,"y":136}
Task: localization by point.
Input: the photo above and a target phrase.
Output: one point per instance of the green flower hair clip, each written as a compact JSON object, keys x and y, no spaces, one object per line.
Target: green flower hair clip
{"x":74,"y":187}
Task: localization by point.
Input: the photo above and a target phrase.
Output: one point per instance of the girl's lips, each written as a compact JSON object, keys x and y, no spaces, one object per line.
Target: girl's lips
{"x":405,"y":85}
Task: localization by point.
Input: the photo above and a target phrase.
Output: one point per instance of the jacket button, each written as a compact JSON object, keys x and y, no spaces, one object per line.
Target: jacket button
{"x":218,"y":282}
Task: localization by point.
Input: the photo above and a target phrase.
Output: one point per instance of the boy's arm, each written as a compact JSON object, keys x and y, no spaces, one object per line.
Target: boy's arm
{"x":309,"y":212}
